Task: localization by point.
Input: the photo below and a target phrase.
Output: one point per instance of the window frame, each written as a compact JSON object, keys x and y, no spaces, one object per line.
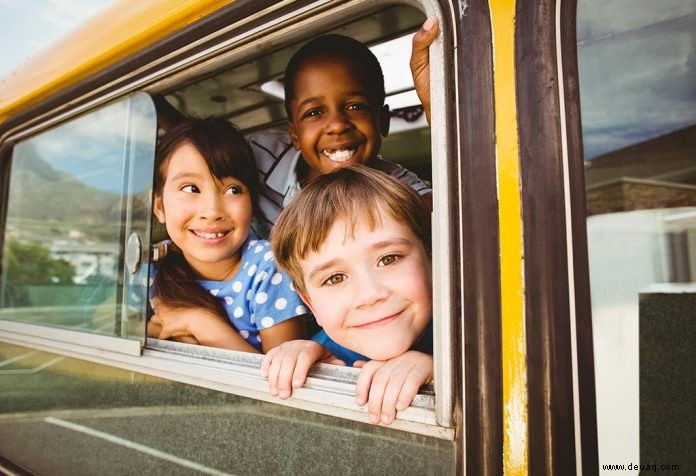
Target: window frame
{"x":236,"y":372}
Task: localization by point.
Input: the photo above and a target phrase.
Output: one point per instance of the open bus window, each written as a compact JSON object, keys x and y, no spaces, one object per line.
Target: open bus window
{"x":638,"y":99}
{"x":249,"y":93}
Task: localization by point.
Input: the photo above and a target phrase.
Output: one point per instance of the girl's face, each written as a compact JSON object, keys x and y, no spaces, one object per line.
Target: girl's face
{"x":207,"y":219}
{"x":370,"y":290}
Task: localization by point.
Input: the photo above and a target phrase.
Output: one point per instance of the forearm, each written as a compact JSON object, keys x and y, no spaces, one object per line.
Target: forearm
{"x":214,"y":332}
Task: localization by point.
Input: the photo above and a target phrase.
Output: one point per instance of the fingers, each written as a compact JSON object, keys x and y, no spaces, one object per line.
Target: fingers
{"x":425,"y":36}
{"x":287,"y":365}
{"x":420,"y":61}
{"x":391,"y":386}
{"x":367,"y":389}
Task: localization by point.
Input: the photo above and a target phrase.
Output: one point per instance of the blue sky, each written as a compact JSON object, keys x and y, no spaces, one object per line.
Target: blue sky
{"x":28,"y":26}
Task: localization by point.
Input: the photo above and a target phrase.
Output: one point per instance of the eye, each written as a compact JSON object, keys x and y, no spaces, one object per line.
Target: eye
{"x":358,"y":106}
{"x":234,"y":190}
{"x":190,"y":189}
{"x":387,"y":260}
{"x":334,"y":279}
{"x":314,"y":112}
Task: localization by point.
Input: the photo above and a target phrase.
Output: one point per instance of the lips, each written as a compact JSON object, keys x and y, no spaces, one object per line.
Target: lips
{"x":380,"y":322}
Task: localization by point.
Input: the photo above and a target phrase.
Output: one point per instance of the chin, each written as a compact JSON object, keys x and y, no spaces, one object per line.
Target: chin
{"x":384,"y":352}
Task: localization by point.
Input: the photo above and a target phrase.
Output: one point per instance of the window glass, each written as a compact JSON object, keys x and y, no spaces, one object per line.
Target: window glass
{"x":638,"y":100}
{"x":77,"y":193}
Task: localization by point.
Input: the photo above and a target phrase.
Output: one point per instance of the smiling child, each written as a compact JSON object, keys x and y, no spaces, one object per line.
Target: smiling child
{"x":361,"y":263}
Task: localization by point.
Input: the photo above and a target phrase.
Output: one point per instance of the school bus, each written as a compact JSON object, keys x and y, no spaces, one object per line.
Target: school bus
{"x":561,"y":152}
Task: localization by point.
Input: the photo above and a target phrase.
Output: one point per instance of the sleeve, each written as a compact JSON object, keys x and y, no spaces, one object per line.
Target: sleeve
{"x":346,"y":355}
{"x":403,"y":175}
{"x":274,"y":299}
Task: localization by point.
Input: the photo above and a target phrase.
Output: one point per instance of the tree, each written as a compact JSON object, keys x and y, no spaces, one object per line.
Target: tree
{"x":30,"y":263}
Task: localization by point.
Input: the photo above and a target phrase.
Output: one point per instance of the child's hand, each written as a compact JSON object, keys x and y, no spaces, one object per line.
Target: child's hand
{"x":196,"y":326}
{"x":286,"y":365}
{"x":390,"y":386}
{"x":420,"y":61}
{"x":172,"y":322}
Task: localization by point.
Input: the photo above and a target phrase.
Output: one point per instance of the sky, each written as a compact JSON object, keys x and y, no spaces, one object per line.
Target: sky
{"x":28,"y":26}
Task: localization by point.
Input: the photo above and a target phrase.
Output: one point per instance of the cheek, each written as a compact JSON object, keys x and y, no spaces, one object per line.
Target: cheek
{"x":327,"y":309}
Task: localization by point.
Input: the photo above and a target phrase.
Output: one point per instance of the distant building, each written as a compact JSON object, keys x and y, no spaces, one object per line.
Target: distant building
{"x":88,"y":260}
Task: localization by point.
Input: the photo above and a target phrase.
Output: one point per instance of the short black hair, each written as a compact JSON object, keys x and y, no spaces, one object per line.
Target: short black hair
{"x":337,"y":46}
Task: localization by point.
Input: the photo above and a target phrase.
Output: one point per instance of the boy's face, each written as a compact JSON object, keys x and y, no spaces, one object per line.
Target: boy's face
{"x":334,"y":121}
{"x":370,"y":290}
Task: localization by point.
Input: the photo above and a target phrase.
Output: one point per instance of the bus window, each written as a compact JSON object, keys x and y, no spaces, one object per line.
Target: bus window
{"x":246,"y":87}
{"x":79,"y":198}
{"x":638,"y":101}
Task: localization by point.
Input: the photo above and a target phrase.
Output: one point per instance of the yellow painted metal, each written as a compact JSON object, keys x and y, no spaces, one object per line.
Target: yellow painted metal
{"x":119,"y":31}
{"x":511,"y":253}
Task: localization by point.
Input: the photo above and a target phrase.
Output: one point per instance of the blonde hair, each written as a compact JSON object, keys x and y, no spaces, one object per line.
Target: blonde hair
{"x":349,"y":193}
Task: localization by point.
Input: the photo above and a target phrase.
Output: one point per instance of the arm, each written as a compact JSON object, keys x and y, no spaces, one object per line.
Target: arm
{"x":292,"y":329}
{"x":390,"y":386}
{"x":420,"y":61}
{"x":202,"y":326}
{"x":286,"y":366}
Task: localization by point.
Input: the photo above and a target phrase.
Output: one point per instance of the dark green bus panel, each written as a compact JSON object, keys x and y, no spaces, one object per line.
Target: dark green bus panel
{"x":67,"y":416}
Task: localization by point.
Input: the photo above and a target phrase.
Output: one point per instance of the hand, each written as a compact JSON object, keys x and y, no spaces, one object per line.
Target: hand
{"x":390,"y":386}
{"x":169,"y":322}
{"x":286,"y":365}
{"x":195,"y":326}
{"x":420,"y":61}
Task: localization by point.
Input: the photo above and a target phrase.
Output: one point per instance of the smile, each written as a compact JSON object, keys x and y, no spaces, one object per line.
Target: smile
{"x":209,"y":235}
{"x":339,"y":155}
{"x":380,"y":322}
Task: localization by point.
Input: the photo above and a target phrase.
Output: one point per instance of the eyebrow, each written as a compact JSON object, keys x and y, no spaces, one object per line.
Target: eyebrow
{"x":322,"y":268}
{"x":184,"y":175}
{"x":392,"y":242}
{"x":321,"y":98}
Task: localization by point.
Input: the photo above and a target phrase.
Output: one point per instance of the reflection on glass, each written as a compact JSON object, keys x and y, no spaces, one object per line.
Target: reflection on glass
{"x":75,"y":191}
{"x":638,"y":100}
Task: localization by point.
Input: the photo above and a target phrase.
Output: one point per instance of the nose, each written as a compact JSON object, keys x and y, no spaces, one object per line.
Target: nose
{"x":210,"y":207}
{"x":338,"y":121}
{"x":370,"y":290}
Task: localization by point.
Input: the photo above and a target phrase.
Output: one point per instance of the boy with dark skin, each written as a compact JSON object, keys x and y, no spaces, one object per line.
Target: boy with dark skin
{"x":337,"y":116}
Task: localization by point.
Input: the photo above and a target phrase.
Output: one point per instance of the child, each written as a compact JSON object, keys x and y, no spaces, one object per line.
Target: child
{"x":334,"y":99}
{"x":216,"y":287}
{"x":361,"y":262}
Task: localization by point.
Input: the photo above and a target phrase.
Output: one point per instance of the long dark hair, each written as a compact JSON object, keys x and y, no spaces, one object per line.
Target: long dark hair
{"x":227,"y":154}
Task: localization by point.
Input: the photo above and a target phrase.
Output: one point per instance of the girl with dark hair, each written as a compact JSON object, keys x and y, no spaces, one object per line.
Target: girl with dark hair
{"x":216,"y":287}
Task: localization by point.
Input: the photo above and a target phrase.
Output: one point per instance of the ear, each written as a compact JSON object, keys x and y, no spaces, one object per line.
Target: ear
{"x":305,"y":298}
{"x":384,"y":120}
{"x":293,"y":135}
{"x":158,"y":208}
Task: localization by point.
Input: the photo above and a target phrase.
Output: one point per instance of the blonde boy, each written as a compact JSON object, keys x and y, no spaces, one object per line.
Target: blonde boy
{"x":356,"y":244}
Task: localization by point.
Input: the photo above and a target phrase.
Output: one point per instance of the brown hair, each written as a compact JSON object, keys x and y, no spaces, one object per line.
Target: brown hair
{"x":349,"y":193}
{"x":227,"y":154}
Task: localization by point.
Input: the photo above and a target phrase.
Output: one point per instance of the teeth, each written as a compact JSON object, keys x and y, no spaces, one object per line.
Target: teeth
{"x":209,"y":236}
{"x":338,"y":155}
